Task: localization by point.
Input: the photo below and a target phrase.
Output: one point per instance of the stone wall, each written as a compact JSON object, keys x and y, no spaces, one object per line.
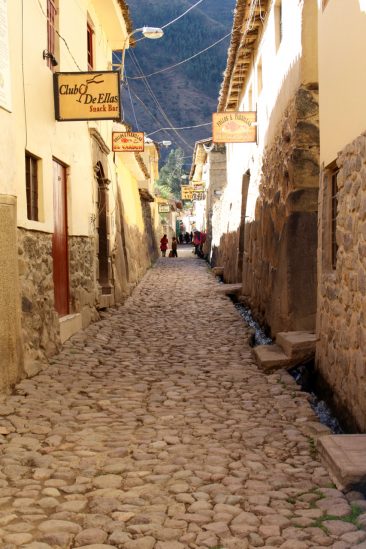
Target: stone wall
{"x":341,"y":326}
{"x":226,"y":255}
{"x":40,"y":325}
{"x":11,"y":355}
{"x":82,"y":277}
{"x":279,"y":268}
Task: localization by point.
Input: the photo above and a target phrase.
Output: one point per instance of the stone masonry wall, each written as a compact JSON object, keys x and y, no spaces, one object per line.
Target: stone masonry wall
{"x":40,"y":324}
{"x":82,"y":277}
{"x":341,"y":349}
{"x":279,"y":270}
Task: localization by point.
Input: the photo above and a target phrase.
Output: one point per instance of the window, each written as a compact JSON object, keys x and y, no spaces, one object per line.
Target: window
{"x":334,"y":206}
{"x":51,"y":30}
{"x":31,"y":180}
{"x":278,"y":23}
{"x":259,"y":78}
{"x":90,"y":48}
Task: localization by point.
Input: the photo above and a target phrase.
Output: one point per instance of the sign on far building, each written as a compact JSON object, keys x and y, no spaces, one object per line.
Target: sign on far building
{"x":87,"y":95}
{"x":186,"y":192}
{"x":164,"y":208}
{"x":5,"y":89}
{"x":127,"y":141}
{"x":234,"y":127}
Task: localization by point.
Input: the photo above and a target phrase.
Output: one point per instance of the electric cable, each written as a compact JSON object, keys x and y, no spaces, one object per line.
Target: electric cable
{"x":133,"y":57}
{"x":181,"y":128}
{"x":133,"y":108}
{"x":181,"y":62}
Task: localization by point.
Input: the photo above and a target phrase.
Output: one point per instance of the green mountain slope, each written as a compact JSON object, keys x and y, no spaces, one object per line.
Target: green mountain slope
{"x":188,"y":93}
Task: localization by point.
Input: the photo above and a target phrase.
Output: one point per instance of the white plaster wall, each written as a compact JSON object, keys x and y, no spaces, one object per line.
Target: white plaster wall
{"x":342,"y":75}
{"x":32,"y":125}
{"x":283,"y":70}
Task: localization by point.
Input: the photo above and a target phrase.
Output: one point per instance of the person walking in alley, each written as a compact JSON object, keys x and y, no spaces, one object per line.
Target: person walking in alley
{"x":174,"y":247}
{"x":164,"y":245}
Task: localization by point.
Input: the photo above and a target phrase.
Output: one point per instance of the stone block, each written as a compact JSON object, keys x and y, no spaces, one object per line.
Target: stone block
{"x":229,"y":289}
{"x":344,"y":457}
{"x":297,"y":344}
{"x":218,"y":271}
{"x":69,"y":325}
{"x":271,"y":357}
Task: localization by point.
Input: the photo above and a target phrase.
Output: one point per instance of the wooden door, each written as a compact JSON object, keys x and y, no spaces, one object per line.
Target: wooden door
{"x":59,"y":240}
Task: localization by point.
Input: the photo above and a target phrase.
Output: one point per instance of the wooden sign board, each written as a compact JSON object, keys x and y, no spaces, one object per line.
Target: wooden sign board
{"x":234,"y":127}
{"x":128,"y":141}
{"x":164,"y":208}
{"x":87,"y":95}
{"x":186,"y":192}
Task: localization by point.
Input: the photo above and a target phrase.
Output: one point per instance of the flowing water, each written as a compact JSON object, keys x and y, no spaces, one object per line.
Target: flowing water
{"x":303,"y":374}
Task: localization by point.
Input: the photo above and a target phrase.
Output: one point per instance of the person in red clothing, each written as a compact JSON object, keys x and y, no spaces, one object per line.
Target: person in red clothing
{"x":164,"y":245}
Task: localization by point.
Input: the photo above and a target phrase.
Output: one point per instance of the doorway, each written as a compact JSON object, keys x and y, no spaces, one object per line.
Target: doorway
{"x":241,"y":244}
{"x":59,"y":240}
{"x":103,"y":236}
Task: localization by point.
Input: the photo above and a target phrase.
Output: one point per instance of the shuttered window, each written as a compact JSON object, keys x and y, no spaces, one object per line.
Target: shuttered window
{"x":90,"y":47}
{"x":31,"y":179}
{"x":51,"y":30}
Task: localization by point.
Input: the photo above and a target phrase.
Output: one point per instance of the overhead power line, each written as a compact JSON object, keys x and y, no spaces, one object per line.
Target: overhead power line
{"x":181,"y":128}
{"x":182,"y":15}
{"x":180,"y":62}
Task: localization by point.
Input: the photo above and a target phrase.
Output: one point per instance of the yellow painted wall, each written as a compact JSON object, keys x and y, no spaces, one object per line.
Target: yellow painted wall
{"x":342,"y":75}
{"x":130,"y":195}
{"x":32,"y":126}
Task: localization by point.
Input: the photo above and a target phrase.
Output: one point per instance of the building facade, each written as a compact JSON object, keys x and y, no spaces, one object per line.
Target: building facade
{"x":267,"y":214}
{"x":341,"y":320}
{"x":64,"y":194}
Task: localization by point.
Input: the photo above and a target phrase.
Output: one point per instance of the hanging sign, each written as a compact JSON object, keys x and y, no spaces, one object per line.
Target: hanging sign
{"x":198,"y":187}
{"x":164,"y":208}
{"x":186,"y":192}
{"x":128,"y":141}
{"x":87,"y":95}
{"x":234,"y":127}
{"x":198,"y":195}
{"x":5,"y":90}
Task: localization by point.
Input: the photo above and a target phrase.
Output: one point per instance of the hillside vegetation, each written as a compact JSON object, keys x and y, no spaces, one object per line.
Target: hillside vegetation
{"x":188,"y":94}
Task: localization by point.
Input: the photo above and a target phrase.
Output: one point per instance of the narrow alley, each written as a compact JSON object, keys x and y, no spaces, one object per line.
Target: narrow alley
{"x":154,"y":429}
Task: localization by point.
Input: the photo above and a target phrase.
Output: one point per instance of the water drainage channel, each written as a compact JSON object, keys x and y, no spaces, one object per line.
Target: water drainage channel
{"x":303,"y":374}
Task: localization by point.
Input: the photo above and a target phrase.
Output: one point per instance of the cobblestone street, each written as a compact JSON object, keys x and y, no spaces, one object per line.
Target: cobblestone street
{"x":154,"y":429}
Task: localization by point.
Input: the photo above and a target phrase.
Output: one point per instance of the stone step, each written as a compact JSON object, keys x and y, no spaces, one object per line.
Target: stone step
{"x":271,"y":357}
{"x":229,"y":289}
{"x":345,"y":458}
{"x":298,"y":345}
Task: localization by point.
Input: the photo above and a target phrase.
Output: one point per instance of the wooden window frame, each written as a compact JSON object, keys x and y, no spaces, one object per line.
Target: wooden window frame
{"x":90,"y":45}
{"x":52,"y":12}
{"x":32,"y":186}
{"x":278,"y":21}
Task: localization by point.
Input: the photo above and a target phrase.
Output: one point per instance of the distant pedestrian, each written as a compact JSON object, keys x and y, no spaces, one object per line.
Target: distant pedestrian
{"x":180,"y":238}
{"x":174,"y":247}
{"x":164,"y":245}
{"x":187,"y":238}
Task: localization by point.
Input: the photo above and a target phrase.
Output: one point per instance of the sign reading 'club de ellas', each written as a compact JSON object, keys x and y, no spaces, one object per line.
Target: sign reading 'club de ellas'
{"x":234,"y":127}
{"x":87,"y":95}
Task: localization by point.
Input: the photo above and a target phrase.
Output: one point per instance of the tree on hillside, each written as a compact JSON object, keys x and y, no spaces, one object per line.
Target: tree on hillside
{"x":170,"y":176}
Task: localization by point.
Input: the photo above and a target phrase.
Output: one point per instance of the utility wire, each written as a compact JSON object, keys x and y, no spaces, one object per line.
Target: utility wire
{"x":132,"y":105}
{"x":156,"y":101}
{"x":180,"y":62}
{"x":181,"y":128}
{"x":182,"y":15}
{"x":176,"y":19}
{"x":61,"y":37}
{"x":148,"y":111}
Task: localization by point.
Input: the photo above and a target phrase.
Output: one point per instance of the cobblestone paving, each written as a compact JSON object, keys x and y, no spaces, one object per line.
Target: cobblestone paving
{"x":154,"y":429}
